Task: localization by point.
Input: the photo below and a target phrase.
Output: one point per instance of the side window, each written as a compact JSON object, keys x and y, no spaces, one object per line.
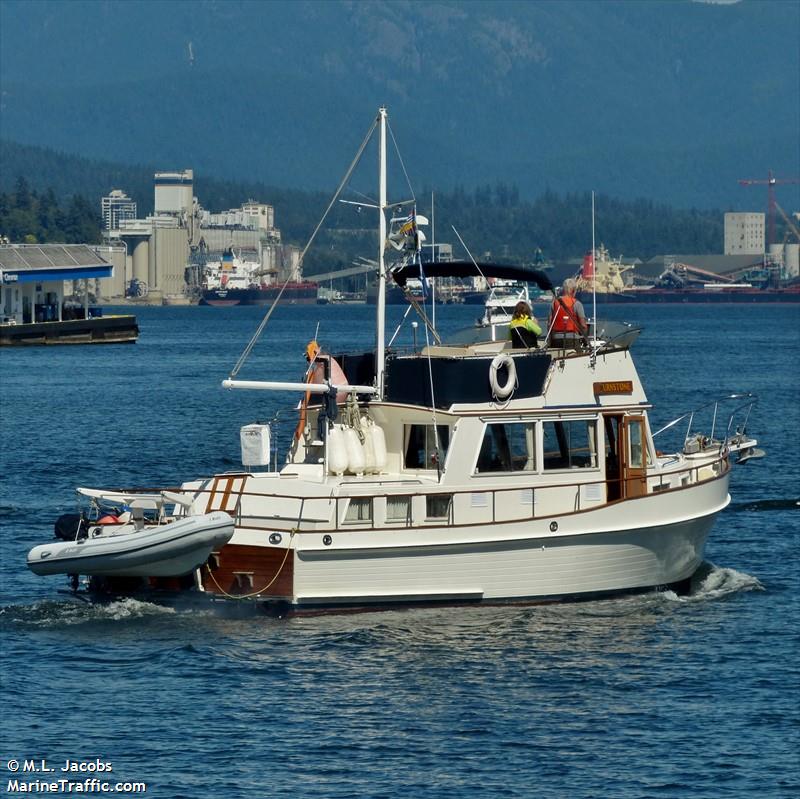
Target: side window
{"x":420,"y":445}
{"x":359,"y":509}
{"x":437,"y":506}
{"x":570,"y":444}
{"x":612,"y":439}
{"x":508,"y":448}
{"x":398,"y":509}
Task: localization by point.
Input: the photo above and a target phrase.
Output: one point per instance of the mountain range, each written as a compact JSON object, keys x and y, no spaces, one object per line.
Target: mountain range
{"x":672,"y":101}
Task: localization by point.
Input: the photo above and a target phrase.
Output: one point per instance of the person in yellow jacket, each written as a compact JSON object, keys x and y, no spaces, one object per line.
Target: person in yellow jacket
{"x":524,"y":329}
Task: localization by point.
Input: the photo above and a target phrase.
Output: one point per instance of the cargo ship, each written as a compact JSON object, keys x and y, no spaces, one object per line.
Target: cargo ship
{"x":303,"y":293}
{"x":233,"y":281}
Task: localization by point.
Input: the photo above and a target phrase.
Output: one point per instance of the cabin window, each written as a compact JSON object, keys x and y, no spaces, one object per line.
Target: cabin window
{"x":570,"y":444}
{"x":508,"y":447}
{"x":437,"y":506}
{"x":359,"y":509}
{"x":420,"y":445}
{"x":398,"y":509}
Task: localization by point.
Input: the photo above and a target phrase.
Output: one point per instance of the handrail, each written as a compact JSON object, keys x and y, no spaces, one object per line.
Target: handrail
{"x":749,"y":406}
{"x":751,"y":400}
{"x":339,"y":525}
{"x":435,"y":488}
{"x":693,"y":470}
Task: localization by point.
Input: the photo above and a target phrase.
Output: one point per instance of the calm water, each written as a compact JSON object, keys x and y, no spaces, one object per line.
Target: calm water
{"x":653,"y":696}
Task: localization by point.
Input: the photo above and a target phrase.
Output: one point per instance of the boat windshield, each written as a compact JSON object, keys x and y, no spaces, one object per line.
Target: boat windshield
{"x":609,"y":334}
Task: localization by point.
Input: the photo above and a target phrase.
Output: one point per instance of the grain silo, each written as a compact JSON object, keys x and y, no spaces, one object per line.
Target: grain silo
{"x":791,"y":256}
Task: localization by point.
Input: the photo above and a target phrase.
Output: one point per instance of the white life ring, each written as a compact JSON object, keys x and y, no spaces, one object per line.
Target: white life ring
{"x":504,"y":391}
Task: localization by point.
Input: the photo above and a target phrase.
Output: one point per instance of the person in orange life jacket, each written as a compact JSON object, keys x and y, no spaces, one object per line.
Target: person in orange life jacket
{"x":320,"y":363}
{"x":567,"y":318}
{"x":523,"y":329}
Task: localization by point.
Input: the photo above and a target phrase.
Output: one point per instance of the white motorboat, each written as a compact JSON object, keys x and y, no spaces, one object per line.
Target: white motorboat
{"x":465,"y":471}
{"x":500,"y":304}
{"x":132,"y":545}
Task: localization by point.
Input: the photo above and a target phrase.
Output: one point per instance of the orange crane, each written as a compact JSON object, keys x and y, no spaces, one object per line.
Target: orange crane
{"x":770,"y":182}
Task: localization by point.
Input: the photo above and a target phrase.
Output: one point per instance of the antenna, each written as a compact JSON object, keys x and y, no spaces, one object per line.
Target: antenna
{"x":433,"y":230}
{"x":433,"y":259}
{"x":594,"y":285}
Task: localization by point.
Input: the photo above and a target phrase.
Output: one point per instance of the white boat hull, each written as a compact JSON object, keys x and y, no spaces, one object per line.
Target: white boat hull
{"x":158,"y":551}
{"x":640,"y":543}
{"x":537,"y":568}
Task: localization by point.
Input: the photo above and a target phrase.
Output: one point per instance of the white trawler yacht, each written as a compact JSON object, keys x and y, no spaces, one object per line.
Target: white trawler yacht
{"x":466,"y":471}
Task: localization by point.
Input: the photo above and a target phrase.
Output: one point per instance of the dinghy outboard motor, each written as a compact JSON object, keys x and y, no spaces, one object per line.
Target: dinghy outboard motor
{"x":68,"y":526}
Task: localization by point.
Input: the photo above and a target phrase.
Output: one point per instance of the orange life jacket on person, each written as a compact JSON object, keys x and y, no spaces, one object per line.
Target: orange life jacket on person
{"x":316,"y":374}
{"x":564,"y":322}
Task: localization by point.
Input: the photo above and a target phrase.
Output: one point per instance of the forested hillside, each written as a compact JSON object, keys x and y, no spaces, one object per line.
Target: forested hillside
{"x":31,"y":217}
{"x":49,"y":196}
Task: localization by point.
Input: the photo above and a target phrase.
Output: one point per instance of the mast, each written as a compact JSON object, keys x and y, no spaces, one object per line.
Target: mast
{"x":380,"y":320}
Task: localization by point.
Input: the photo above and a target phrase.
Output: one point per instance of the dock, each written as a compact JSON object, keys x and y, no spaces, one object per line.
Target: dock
{"x":98,"y":330}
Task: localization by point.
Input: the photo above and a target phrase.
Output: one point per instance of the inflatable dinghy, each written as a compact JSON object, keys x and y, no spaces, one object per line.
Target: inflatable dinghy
{"x":159,"y":550}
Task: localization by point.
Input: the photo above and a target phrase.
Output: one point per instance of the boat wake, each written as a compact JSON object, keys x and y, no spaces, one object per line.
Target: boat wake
{"x":50,"y":613}
{"x":712,"y":582}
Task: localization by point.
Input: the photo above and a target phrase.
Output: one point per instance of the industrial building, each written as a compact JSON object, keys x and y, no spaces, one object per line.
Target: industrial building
{"x":744,"y":234}
{"x":162,"y":255}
